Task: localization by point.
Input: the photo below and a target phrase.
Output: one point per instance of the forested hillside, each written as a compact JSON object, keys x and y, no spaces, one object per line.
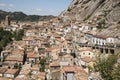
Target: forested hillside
{"x":20,"y":16}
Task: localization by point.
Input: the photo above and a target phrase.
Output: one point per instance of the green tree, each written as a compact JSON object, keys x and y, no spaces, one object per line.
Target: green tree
{"x":0,"y":47}
{"x":19,"y":34}
{"x":101,"y":23}
{"x":42,"y":63}
{"x":16,"y":66}
{"x":116,"y":73}
{"x":107,"y":69}
{"x":48,"y":44}
{"x":5,"y":37}
{"x":20,"y":65}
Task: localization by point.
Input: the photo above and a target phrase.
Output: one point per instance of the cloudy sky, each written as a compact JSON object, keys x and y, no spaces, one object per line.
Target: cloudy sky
{"x":37,"y":7}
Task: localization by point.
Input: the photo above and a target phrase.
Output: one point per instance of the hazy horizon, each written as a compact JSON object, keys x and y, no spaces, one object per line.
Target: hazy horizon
{"x":36,"y":7}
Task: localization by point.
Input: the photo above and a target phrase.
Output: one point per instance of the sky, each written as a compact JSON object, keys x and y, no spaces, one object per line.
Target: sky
{"x":35,"y":7}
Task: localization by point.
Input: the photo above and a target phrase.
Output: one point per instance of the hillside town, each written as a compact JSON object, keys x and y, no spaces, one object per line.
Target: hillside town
{"x":52,"y":50}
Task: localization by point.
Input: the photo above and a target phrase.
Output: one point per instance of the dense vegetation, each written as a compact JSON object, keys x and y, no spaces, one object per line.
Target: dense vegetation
{"x":6,"y":37}
{"x":109,"y":68}
{"x":17,"y":66}
{"x":42,"y":63}
{"x":18,"y":34}
{"x":20,"y":16}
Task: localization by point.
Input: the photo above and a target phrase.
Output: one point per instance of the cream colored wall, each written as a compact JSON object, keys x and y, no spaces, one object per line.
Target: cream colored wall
{"x":86,"y":54}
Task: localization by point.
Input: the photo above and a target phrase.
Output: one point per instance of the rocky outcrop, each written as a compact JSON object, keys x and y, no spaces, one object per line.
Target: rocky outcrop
{"x":81,"y":10}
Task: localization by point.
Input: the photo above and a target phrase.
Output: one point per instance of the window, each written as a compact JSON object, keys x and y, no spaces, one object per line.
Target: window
{"x":65,"y":49}
{"x":46,"y":29}
{"x":89,"y":53}
{"x":111,"y":41}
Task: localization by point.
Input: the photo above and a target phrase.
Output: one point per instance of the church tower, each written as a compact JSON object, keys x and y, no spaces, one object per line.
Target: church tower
{"x":7,"y":21}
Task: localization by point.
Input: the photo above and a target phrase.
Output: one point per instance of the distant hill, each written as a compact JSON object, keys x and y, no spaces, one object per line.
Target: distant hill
{"x":20,"y":16}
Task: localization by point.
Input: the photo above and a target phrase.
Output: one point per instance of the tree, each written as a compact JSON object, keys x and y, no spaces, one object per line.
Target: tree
{"x":0,"y":47}
{"x":116,"y":73}
{"x":20,"y":65}
{"x":48,"y":44}
{"x":42,"y":63}
{"x":19,"y":34}
{"x":107,"y":69}
{"x":16,"y":66}
{"x":5,"y":37}
{"x":101,"y":23}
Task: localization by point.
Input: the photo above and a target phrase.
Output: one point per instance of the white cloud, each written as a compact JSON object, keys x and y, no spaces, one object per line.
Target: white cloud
{"x":2,"y":4}
{"x":39,"y":9}
{"x":10,"y":5}
{"x":6,"y":5}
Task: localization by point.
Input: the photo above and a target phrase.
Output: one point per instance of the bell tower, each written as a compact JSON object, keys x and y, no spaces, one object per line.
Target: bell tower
{"x":7,"y":21}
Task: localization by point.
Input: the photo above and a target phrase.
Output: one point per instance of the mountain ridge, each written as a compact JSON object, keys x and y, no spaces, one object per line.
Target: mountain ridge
{"x":20,"y":16}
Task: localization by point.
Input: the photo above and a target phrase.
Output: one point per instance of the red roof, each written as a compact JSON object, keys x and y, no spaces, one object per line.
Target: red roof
{"x":86,"y":59}
{"x":52,"y":48}
{"x":11,"y":58}
{"x":32,"y":55}
{"x":100,"y":36}
{"x":72,"y":69}
{"x":11,"y":71}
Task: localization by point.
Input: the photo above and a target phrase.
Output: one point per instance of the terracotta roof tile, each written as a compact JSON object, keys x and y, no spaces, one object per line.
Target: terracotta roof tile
{"x":11,"y":58}
{"x":86,"y":59}
{"x":11,"y":71}
{"x":72,"y":69}
{"x":3,"y":78}
{"x":100,"y":36}
{"x":52,"y":48}
{"x":3,"y":70}
{"x":32,"y":55}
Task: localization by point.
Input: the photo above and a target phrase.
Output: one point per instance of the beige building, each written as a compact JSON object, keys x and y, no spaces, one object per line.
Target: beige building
{"x":53,"y":52}
{"x":11,"y":73}
{"x":73,"y":73}
{"x":67,"y":59}
{"x":55,"y":70}
{"x":32,"y":57}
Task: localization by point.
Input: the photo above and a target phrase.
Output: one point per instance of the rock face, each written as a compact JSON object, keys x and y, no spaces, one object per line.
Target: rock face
{"x":80,"y":10}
